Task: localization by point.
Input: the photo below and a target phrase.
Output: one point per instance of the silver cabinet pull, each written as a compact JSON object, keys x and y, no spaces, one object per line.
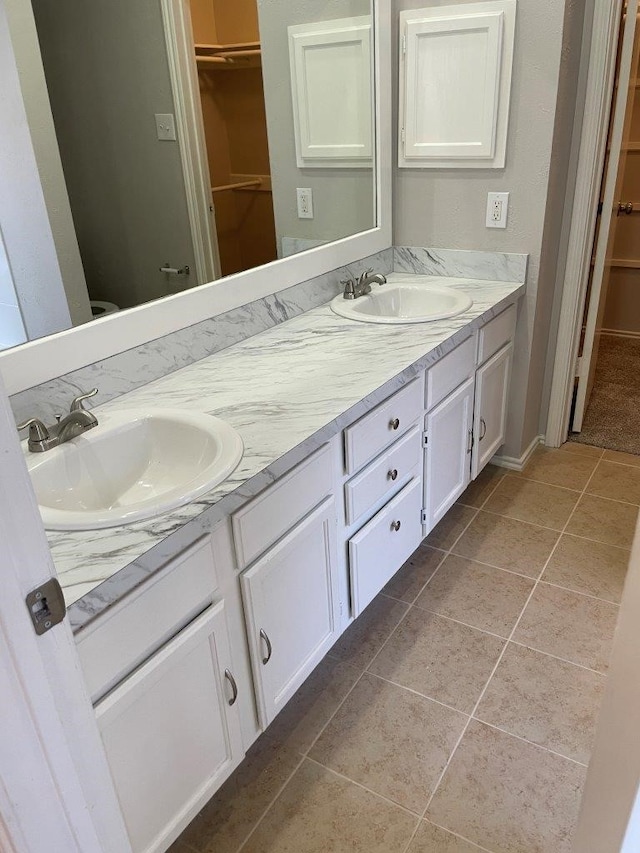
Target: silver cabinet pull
{"x":393,"y":475}
{"x":483,"y":426}
{"x":267,"y":642}
{"x":234,"y":687}
{"x":394,"y":423}
{"x":396,"y":525}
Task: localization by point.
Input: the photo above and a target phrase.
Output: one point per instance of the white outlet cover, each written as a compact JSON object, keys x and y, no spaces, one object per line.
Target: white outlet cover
{"x":497,"y":210}
{"x":304,"y":197}
{"x":166,"y":127}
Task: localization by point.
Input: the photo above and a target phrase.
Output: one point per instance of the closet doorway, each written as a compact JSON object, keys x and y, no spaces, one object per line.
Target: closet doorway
{"x":606,"y":408}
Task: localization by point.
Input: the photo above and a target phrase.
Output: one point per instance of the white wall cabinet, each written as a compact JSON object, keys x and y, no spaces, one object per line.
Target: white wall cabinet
{"x":455,"y":83}
{"x":171,"y":732}
{"x":447,"y":464}
{"x":291,"y":608}
{"x":490,"y":419}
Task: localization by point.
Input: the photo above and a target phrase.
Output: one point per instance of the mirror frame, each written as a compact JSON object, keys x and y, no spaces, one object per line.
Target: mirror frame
{"x":41,"y":360}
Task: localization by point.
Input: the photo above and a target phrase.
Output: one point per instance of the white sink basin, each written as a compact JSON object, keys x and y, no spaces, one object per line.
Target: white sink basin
{"x":404,"y":302}
{"x":133,"y":465}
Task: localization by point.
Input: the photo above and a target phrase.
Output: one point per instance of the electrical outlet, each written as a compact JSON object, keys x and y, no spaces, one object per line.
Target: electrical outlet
{"x":305,"y":202}
{"x":165,"y":127}
{"x":497,"y":210}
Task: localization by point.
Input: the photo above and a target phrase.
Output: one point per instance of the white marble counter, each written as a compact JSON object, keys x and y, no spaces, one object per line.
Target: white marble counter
{"x":286,"y":391}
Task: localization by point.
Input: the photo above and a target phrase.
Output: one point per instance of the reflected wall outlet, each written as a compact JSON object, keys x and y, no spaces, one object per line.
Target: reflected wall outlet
{"x":497,"y":210}
{"x":305,"y":202}
{"x":165,"y":126}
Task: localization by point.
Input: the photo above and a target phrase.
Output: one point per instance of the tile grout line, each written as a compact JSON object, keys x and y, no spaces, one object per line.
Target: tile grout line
{"x":530,"y":742}
{"x":501,"y":655}
{"x":457,"y":835}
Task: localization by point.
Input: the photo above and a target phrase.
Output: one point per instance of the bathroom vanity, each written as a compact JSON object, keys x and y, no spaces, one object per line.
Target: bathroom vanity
{"x":370,"y":436}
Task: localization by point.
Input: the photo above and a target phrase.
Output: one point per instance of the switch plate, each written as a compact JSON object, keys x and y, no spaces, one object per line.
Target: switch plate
{"x":305,"y":202}
{"x":497,"y":210}
{"x":166,"y":127}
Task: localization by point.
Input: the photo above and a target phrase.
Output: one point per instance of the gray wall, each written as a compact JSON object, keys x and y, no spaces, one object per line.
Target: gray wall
{"x":343,"y":199}
{"x":446,"y":208}
{"x":108,"y":75}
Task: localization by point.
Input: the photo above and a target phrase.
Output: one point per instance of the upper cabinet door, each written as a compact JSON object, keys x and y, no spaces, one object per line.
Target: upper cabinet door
{"x":455,"y":82}
{"x":332,"y":92}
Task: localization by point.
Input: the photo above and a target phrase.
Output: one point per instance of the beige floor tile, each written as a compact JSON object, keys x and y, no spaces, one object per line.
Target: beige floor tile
{"x":441,"y":659}
{"x":507,"y":795}
{"x":364,"y":637}
{"x":180,"y":847}
{"x":407,"y":583}
{"x":302,"y":719}
{"x":432,"y":839}
{"x":479,"y":489}
{"x":558,"y":468}
{"x":483,"y":597}
{"x":569,"y":625}
{"x":390,"y":740}
{"x":319,"y":812}
{"x":582,"y":449}
{"x":622,"y":458}
{"x":618,"y":482}
{"x":544,"y":700}
{"x":604,"y":520}
{"x":538,"y":503}
{"x":507,"y":543}
{"x":445,"y":533}
{"x":231,"y":814}
{"x":590,"y":567}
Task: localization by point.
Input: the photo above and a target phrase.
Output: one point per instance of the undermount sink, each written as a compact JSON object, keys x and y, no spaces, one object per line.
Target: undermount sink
{"x":404,"y":302}
{"x":133,"y":465}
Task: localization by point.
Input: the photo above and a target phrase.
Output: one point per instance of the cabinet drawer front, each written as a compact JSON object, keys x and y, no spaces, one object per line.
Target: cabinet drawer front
{"x":384,"y":476}
{"x":496,"y":333}
{"x":268,"y":517}
{"x":384,"y":544}
{"x":170,"y":736}
{"x":371,"y":434}
{"x":451,"y":371}
{"x":126,"y":635}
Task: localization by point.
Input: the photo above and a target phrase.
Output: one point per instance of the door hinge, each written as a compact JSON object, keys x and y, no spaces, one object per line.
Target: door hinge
{"x":600,"y":208}
{"x":402,"y":135}
{"x":423,"y":516}
{"x":579,"y":364}
{"x":404,"y":45}
{"x":46,"y":606}
{"x":425,"y":438}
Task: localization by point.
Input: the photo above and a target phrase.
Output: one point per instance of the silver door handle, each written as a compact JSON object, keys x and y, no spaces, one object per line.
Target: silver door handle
{"x":267,"y":642}
{"x":234,"y":686}
{"x":169,"y":270}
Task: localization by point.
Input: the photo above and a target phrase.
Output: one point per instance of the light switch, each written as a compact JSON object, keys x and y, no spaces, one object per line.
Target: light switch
{"x":166,"y":126}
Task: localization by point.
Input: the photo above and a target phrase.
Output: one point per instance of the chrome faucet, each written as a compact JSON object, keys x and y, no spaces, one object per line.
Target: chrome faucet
{"x":78,"y":420}
{"x":354,"y":288}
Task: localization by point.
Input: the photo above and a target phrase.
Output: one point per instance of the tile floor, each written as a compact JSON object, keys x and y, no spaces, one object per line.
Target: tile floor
{"x":457,"y":714}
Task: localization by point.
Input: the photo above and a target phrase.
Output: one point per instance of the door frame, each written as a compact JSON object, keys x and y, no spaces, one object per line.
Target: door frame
{"x":591,"y":158}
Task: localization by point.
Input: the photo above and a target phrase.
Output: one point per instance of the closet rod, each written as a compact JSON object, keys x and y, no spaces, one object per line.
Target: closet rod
{"x":237,"y":186}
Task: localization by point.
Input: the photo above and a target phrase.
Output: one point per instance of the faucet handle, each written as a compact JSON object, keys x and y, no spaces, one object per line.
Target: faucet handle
{"x":76,"y":405}
{"x":365,"y":275}
{"x":37,"y":430}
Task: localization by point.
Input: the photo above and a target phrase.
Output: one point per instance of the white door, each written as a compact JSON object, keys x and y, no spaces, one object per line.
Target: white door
{"x":448,"y":454}
{"x":172,"y":732}
{"x":55,"y":779}
{"x":604,"y":246}
{"x":490,"y":417}
{"x":291,"y":602}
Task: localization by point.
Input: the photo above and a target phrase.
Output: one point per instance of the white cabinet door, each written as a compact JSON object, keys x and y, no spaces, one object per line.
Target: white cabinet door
{"x":290,"y":597}
{"x":447,"y":458}
{"x":492,"y":386}
{"x":171,"y":732}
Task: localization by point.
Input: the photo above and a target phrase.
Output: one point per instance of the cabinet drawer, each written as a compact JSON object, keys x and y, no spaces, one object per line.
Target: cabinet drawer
{"x":496,"y":333}
{"x":135,"y":628}
{"x":384,"y":544}
{"x":268,"y":517}
{"x":371,"y":434}
{"x":451,"y":371}
{"x":384,"y":476}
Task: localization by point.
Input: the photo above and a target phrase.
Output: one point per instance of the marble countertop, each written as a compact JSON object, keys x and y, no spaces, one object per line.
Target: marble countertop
{"x":286,"y":390}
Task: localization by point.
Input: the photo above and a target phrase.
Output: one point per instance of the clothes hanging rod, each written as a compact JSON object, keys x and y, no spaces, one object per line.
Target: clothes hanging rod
{"x":239,"y":185}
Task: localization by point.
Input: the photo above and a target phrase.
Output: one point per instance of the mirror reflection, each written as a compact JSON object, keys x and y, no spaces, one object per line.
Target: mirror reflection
{"x":198,"y":139}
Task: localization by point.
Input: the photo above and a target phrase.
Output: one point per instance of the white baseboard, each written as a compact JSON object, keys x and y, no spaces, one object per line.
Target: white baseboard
{"x":517,"y":463}
{"x":620,"y":333}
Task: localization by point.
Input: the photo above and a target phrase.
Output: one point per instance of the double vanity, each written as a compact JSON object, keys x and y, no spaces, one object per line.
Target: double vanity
{"x":194,"y":628}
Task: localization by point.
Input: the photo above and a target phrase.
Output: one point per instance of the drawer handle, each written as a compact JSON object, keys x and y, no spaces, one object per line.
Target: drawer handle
{"x":483,"y":431}
{"x":234,"y":687}
{"x":394,"y":423}
{"x":267,"y":642}
{"x":396,"y":525}
{"x":393,"y":475}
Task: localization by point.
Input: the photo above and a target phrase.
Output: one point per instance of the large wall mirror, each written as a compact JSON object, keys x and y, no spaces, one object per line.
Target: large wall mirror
{"x":230,"y":147}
